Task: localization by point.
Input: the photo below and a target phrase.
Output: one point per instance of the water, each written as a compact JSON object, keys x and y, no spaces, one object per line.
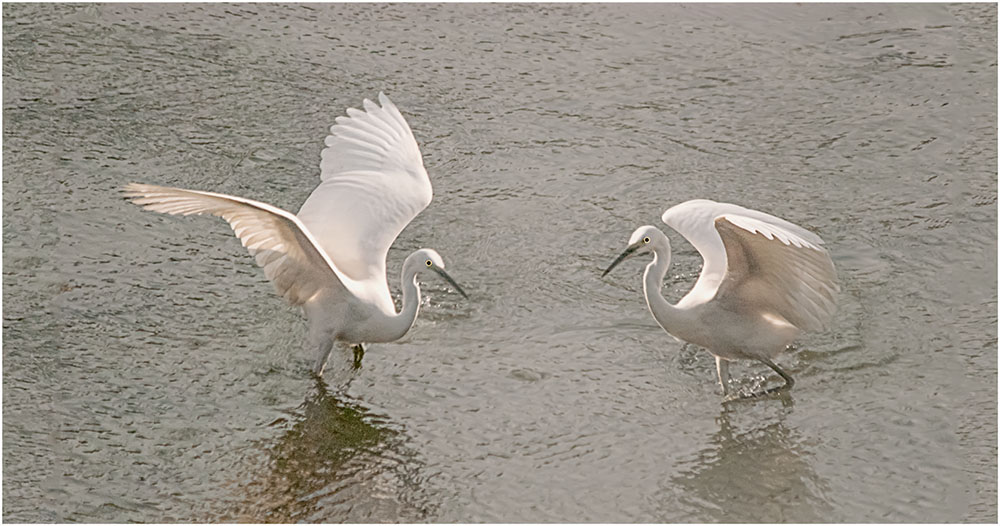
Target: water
{"x":151,"y":374}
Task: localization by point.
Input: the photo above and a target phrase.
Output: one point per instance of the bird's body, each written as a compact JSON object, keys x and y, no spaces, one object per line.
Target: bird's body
{"x":764,"y":280}
{"x":330,"y":257}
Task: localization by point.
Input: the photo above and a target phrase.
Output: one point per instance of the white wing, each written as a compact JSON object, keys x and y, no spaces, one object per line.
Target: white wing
{"x":771,"y":268}
{"x":695,"y":220}
{"x":373,"y":185}
{"x":279,"y":242}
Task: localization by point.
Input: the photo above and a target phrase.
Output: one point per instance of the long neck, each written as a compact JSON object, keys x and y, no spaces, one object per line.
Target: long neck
{"x":400,"y":323}
{"x":668,"y":316}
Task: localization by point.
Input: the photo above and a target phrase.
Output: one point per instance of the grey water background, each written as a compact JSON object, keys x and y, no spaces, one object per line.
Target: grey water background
{"x":151,"y":374}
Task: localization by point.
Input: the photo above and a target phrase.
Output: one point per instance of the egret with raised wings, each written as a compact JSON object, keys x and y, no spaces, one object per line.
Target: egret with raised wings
{"x":763,"y":281}
{"x":330,"y":257}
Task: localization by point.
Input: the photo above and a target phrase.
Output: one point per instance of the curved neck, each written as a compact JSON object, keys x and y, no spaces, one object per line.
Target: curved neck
{"x":668,"y":316}
{"x":401,"y":322}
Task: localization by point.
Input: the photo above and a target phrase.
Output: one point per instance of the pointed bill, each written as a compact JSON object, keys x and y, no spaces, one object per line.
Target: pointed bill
{"x":450,"y":281}
{"x":622,"y":257}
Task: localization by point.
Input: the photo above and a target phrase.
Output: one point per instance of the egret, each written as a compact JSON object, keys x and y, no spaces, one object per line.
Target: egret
{"x":763,"y":281}
{"x":330,"y":258}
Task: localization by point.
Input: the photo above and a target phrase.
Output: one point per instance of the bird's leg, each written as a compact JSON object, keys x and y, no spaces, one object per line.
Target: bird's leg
{"x":359,"y":353}
{"x":722,"y":366}
{"x":322,"y":356}
{"x":789,"y":381}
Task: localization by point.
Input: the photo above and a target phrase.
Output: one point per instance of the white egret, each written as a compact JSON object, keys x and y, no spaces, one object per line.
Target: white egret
{"x":330,"y":257}
{"x":763,"y":281}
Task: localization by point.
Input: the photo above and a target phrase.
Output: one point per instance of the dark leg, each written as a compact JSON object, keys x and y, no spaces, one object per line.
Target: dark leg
{"x":789,"y":382}
{"x":359,"y":353}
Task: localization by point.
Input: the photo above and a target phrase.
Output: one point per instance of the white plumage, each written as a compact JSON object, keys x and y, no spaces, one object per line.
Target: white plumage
{"x":330,"y":258}
{"x":373,"y":185}
{"x":763,"y":281}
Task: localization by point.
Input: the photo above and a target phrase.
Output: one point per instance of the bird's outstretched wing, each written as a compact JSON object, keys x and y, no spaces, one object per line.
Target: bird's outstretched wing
{"x":280,"y":243}
{"x":695,"y":220}
{"x":373,"y":185}
{"x":773,"y":268}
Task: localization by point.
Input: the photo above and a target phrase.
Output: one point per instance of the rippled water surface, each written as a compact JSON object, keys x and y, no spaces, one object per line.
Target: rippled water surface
{"x":151,"y":374}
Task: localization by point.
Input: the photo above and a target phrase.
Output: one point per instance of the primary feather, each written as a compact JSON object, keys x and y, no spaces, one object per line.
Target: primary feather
{"x":696,"y":221}
{"x":279,"y":242}
{"x":771,"y":268}
{"x":373,"y":184}
{"x":764,"y":280}
{"x":330,"y":258}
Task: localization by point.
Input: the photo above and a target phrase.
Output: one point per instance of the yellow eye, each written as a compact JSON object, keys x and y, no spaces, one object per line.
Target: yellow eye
{"x":429,"y":263}
{"x":645,"y":240}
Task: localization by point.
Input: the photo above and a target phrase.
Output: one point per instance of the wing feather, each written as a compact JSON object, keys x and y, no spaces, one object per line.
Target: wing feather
{"x":776,"y":269}
{"x":373,"y":184}
{"x":277,"y":240}
{"x":695,"y":220}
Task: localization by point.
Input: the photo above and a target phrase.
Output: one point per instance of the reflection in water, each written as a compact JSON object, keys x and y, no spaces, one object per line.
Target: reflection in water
{"x":143,"y":359}
{"x":753,"y":473}
{"x":336,"y":463}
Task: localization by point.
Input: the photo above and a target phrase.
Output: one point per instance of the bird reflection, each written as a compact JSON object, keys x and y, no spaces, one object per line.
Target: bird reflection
{"x":337,"y":462}
{"x":754,"y":469}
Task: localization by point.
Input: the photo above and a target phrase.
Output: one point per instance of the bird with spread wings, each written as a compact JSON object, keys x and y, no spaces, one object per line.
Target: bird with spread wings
{"x":330,"y":258}
{"x":763,"y":281}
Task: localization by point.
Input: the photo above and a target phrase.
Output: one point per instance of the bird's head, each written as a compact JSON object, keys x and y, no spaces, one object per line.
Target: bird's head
{"x":644,"y":239}
{"x":427,"y":259}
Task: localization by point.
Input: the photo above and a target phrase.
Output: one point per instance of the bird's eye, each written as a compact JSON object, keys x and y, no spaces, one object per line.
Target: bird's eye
{"x":645,"y":240}
{"x":429,"y":263}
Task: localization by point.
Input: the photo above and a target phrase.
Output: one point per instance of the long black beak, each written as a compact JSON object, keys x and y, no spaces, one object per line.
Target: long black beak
{"x":622,"y":257}
{"x":450,"y":281}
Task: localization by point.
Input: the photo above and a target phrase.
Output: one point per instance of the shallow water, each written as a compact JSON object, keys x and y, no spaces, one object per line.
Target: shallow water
{"x":151,"y":374}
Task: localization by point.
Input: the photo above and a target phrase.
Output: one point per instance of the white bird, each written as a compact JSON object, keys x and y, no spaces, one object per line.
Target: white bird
{"x":763,"y":281}
{"x":330,"y":257}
